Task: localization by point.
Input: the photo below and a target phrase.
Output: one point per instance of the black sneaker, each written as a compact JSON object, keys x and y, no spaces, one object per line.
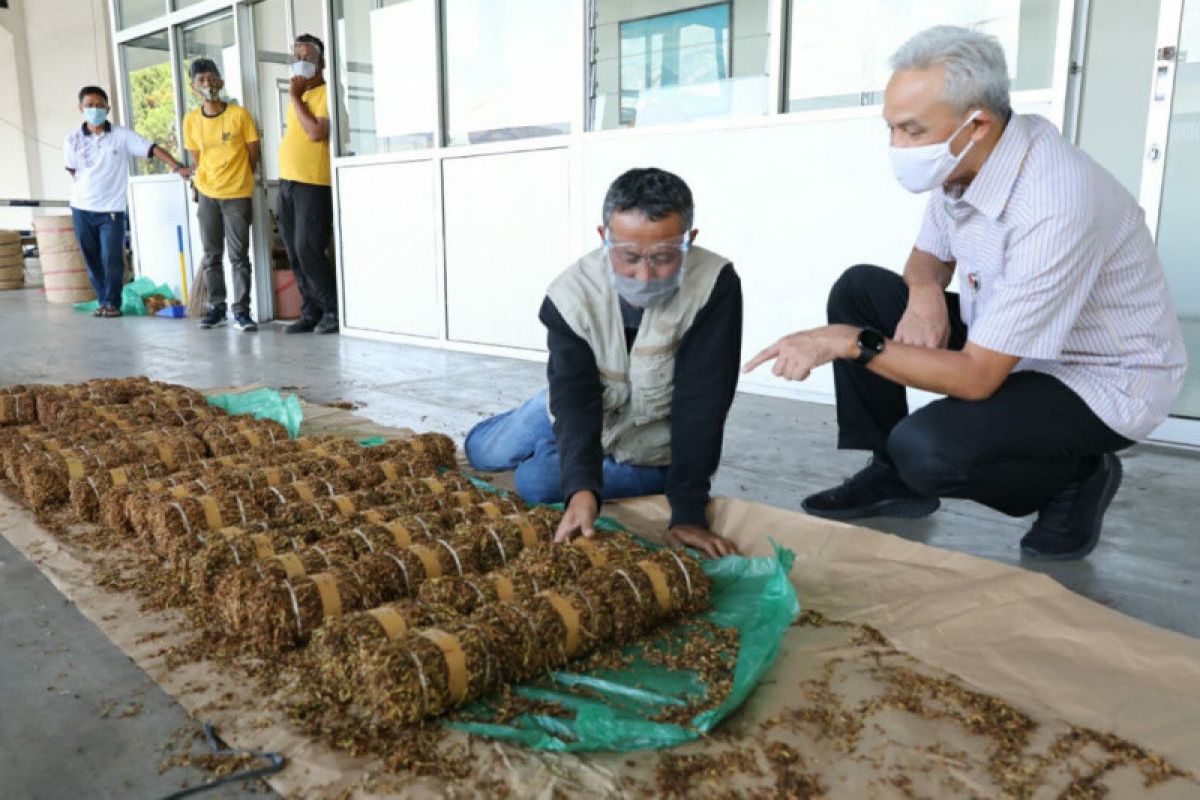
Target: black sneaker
{"x":243,"y":322}
{"x":301,"y":326}
{"x":328,"y":324}
{"x":1068,"y":527}
{"x":874,"y":491}
{"x":215,"y":318}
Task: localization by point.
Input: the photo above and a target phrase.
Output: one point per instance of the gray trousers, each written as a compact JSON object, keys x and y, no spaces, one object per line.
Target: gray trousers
{"x":226,"y":224}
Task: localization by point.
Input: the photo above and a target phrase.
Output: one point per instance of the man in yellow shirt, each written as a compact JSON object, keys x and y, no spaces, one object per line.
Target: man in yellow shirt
{"x":305,"y":208}
{"x":223,"y":141}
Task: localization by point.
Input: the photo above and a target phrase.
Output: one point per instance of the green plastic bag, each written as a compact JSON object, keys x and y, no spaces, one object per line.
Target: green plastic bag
{"x":264,"y":404}
{"x":133,"y":297}
{"x":752,"y":595}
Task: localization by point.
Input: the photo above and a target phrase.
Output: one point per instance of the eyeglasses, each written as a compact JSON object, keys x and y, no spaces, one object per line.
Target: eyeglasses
{"x":660,"y":257}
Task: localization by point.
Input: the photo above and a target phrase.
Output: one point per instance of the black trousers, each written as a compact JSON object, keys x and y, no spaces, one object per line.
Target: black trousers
{"x":1013,"y":452}
{"x":305,"y":214}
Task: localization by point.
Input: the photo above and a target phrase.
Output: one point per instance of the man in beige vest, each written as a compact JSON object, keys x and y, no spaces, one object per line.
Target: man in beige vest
{"x":644,"y":335}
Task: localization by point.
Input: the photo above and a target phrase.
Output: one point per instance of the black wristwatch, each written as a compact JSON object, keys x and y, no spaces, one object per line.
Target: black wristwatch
{"x":870,"y":344}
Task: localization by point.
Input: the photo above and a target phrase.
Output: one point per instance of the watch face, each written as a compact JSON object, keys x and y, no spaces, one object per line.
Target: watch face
{"x":870,"y":341}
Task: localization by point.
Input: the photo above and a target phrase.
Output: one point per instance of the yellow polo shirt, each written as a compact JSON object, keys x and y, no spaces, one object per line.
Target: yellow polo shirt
{"x":224,"y":170}
{"x":300,"y":158}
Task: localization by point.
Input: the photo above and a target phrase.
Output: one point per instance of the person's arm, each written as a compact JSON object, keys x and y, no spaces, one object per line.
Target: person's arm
{"x":577,"y":408}
{"x":706,"y":376}
{"x":254,"y":150}
{"x":1050,"y":267}
{"x":315,"y":127}
{"x":168,"y":159}
{"x":927,"y":273}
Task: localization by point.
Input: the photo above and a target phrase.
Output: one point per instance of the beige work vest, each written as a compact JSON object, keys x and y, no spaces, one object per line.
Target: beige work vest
{"x":638,"y":382}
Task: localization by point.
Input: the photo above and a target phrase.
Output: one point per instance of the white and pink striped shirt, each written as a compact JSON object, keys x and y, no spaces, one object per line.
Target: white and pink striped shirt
{"x":1056,"y":265}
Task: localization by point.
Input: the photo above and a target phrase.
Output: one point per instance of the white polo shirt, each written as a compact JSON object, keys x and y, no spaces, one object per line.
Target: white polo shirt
{"x":1056,"y":265}
{"x":101,"y":164}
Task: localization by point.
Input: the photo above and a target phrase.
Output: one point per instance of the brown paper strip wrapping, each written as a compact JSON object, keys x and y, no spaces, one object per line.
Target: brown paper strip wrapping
{"x":389,"y":471}
{"x":400,"y":534}
{"x":304,"y":492}
{"x":504,"y":587}
{"x":331,"y":601}
{"x":662,"y":592}
{"x":391,"y":620}
{"x":456,"y":661}
{"x":344,"y":504}
{"x":253,"y":439}
{"x":417,"y":445}
{"x":433,"y":567}
{"x":165,"y":455}
{"x":273,"y":476}
{"x":212,"y":512}
{"x":529,"y":534}
{"x":374,"y":517}
{"x":118,"y":476}
{"x":179,"y":492}
{"x":292,"y":565}
{"x":435,"y":486}
{"x":74,"y":469}
{"x":594,"y":554}
{"x":570,"y":618}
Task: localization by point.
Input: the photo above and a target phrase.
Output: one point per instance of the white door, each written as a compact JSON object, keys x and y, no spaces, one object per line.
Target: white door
{"x":1139,"y":116}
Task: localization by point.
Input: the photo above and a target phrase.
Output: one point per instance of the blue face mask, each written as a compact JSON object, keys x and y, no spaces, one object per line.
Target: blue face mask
{"x":95,"y":116}
{"x":643,"y":294}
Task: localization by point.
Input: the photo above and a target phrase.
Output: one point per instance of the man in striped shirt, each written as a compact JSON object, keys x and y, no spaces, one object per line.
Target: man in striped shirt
{"x":1060,"y":348}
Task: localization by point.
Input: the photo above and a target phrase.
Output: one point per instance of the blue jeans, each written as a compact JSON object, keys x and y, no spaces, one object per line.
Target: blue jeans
{"x":523,"y":439}
{"x":101,"y":236}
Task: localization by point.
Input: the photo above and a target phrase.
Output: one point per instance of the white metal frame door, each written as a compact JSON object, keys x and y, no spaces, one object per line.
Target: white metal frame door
{"x":1176,"y":430}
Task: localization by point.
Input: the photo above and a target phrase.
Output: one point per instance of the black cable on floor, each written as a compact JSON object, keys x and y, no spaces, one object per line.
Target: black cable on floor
{"x":275,"y":762}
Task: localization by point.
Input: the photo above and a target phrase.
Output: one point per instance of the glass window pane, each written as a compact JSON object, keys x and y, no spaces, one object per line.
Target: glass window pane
{"x":135,"y":12}
{"x":152,"y":96}
{"x":211,"y":38}
{"x":661,"y":62}
{"x":510,"y":69}
{"x":273,"y":60}
{"x":388,"y":71}
{"x":839,"y":51}
{"x":185,"y":3}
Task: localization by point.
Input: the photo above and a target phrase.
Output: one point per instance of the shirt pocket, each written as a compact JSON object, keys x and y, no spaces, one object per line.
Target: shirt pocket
{"x":655,"y":376}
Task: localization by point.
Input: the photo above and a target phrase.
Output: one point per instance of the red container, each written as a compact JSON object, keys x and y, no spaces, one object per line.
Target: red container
{"x":287,"y":294}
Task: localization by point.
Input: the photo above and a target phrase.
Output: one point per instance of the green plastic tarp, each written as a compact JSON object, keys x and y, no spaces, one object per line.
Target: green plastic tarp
{"x":133,"y":297}
{"x":263,"y":404}
{"x":752,"y":595}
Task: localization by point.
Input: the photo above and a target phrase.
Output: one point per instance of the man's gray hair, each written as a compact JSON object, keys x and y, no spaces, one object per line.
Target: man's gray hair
{"x":975,"y":70}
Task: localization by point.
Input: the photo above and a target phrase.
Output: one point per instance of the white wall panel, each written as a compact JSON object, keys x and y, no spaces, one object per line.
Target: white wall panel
{"x":508,"y":232}
{"x":389,"y":272}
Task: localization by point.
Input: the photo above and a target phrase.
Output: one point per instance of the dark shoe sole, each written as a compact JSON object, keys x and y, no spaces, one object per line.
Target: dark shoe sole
{"x":297,"y":332}
{"x":1111,"y":485}
{"x":247,"y":328}
{"x":220,"y":324}
{"x":907,"y":508}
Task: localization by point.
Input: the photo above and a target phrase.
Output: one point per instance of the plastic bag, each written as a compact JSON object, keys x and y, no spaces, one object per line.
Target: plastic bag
{"x":133,"y":297}
{"x":752,"y":595}
{"x":264,"y":404}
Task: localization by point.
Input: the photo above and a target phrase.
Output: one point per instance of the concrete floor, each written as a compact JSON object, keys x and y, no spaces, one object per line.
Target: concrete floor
{"x":776,"y":451}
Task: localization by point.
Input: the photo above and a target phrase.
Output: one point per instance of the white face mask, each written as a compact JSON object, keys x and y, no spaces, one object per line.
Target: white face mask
{"x":920,"y":169}
{"x":303,"y":69}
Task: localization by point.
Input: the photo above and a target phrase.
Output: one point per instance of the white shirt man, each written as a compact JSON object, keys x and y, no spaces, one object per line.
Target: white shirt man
{"x":1060,"y":349}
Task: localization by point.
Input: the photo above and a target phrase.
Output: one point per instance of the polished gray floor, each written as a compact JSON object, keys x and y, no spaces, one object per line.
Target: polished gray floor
{"x":776,"y":451}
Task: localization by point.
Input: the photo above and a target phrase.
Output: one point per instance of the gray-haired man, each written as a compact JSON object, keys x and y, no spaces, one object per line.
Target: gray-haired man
{"x":1060,"y":348}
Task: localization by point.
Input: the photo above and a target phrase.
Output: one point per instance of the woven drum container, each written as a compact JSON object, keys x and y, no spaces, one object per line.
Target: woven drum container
{"x":12,"y":262}
{"x":63,"y":270}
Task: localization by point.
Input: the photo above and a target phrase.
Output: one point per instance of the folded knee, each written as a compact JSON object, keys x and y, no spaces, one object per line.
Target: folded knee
{"x":847,"y":292}
{"x":922,"y":461}
{"x":536,"y":485}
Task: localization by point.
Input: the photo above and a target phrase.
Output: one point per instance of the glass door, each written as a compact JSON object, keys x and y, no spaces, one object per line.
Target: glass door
{"x":1173,"y":147}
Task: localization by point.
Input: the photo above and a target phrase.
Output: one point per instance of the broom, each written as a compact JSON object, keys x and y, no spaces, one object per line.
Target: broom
{"x":197,"y":298}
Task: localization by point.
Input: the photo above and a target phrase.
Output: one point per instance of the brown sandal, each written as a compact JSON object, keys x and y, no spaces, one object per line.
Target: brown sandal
{"x":99,"y":312}
{"x":109,"y":311}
